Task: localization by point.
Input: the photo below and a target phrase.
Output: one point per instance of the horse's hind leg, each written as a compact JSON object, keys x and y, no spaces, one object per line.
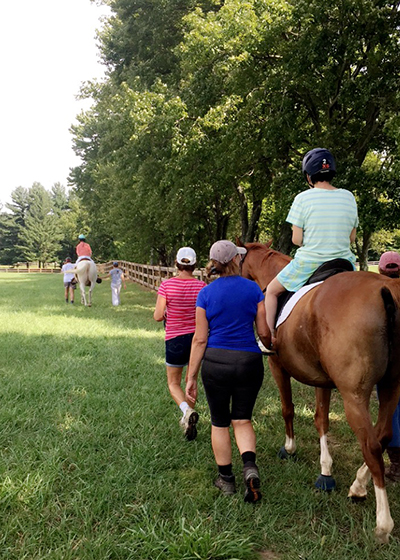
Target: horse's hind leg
{"x":321,"y":420}
{"x":83,"y":295}
{"x":282,"y":379}
{"x":357,"y":414}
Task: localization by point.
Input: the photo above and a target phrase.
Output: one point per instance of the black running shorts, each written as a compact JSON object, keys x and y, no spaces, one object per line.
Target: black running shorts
{"x":177,"y":350}
{"x":232,"y":380}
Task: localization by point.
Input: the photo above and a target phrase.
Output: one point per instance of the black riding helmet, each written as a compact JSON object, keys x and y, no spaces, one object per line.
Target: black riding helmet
{"x":319,"y":161}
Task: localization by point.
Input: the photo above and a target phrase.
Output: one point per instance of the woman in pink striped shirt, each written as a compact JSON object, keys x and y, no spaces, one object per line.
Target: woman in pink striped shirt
{"x":176,"y":303}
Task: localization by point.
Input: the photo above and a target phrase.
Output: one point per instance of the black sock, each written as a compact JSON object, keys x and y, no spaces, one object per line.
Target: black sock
{"x":225,"y":470}
{"x":249,"y":457}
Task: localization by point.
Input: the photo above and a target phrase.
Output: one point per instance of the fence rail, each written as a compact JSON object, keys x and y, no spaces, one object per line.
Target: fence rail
{"x":27,"y":270}
{"x":148,"y":275}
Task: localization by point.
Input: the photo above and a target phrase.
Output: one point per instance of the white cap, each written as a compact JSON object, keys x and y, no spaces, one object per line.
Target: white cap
{"x":186,"y":255}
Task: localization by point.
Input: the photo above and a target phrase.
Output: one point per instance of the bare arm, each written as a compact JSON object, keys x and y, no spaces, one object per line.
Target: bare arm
{"x":353,"y":235}
{"x":297,"y":235}
{"x":199,"y":345}
{"x":161,"y":306}
{"x":261,"y":325}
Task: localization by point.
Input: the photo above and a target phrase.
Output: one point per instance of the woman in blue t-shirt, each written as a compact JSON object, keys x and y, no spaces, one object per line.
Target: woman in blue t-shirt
{"x":232,"y":370}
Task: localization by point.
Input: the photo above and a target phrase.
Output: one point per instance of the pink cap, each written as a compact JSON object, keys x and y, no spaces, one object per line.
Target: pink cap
{"x":389,"y":261}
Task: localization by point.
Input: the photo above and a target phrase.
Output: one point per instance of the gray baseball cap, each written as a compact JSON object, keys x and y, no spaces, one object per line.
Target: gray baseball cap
{"x":224,"y":251}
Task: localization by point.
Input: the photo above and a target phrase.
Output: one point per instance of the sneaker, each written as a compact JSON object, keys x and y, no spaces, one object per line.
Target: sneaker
{"x":252,"y":482}
{"x":226,"y":484}
{"x":188,"y":423}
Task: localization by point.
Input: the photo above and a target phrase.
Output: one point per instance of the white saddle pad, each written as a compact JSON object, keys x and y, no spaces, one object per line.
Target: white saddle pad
{"x":287,"y":309}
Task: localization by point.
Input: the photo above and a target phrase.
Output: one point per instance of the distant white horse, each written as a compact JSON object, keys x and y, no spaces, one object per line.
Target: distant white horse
{"x":86,"y":272}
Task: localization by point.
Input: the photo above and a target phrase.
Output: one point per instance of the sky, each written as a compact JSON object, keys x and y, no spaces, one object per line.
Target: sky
{"x":47,"y":49}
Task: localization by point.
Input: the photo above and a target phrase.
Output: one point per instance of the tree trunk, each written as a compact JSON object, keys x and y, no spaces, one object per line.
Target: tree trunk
{"x":284,"y":243}
{"x":362,"y":250}
{"x":252,"y":229}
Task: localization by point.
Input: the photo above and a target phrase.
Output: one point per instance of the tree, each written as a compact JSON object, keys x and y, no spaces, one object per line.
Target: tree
{"x":209,"y":107}
{"x":40,"y":236}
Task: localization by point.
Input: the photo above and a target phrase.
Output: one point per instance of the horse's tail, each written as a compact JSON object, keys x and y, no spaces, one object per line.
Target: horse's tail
{"x":73,"y":271}
{"x":77,"y":270}
{"x":391,"y":315}
{"x":391,"y":302}
{"x":389,"y":384}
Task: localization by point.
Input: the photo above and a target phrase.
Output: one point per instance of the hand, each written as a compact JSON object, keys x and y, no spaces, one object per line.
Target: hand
{"x":191,"y":390}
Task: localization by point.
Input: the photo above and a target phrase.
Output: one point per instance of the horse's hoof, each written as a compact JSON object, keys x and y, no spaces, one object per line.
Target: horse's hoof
{"x":283,"y":454}
{"x":325,"y":483}
{"x":357,"y":499}
{"x":381,"y":536}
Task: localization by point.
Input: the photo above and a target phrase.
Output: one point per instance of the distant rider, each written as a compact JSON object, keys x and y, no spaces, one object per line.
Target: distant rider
{"x":83,"y":249}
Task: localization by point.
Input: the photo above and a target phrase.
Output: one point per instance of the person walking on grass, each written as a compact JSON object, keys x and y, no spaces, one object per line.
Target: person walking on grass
{"x":176,"y":305}
{"x":69,"y":284}
{"x":232,"y":370}
{"x":117,"y":278}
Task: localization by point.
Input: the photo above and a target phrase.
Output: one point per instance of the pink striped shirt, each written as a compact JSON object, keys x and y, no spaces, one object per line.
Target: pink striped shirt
{"x":181,"y":296}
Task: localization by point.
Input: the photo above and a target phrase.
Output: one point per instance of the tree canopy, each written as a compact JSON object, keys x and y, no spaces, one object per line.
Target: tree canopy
{"x":199,"y":129}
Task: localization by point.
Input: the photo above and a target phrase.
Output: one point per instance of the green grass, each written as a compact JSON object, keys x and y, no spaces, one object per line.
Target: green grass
{"x":93,"y":464}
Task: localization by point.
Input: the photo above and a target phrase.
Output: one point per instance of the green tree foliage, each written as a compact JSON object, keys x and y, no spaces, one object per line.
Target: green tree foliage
{"x":199,"y":130}
{"x":39,"y":239}
{"x":40,"y":226}
{"x":11,"y":223}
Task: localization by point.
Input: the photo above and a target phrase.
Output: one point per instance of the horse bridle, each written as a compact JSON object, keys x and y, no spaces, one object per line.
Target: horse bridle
{"x":241,"y":265}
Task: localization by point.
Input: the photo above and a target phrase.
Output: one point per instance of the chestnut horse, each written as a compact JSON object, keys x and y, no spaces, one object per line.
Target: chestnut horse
{"x":343,"y":333}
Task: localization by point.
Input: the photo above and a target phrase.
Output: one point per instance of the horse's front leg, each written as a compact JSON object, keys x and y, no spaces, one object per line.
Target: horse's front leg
{"x":282,"y":379}
{"x":321,"y":420}
{"x":90,"y":295}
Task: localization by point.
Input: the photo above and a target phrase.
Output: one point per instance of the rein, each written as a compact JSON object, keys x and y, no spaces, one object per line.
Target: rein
{"x":241,"y":265}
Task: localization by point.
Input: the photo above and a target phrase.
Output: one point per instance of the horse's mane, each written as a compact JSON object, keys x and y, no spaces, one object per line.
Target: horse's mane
{"x":266,"y":249}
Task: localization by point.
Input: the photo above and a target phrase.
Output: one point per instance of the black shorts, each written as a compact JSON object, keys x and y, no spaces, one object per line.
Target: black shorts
{"x":232,"y":380}
{"x":177,"y":350}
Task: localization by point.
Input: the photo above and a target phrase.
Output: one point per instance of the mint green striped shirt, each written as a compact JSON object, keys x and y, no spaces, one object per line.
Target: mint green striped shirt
{"x":327,"y":218}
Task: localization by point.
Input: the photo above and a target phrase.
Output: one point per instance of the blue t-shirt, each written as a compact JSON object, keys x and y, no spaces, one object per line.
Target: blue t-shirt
{"x":231,"y":304}
{"x":116,"y":276}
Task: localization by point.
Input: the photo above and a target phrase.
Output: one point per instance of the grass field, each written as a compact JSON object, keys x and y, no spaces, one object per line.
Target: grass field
{"x":93,"y":465}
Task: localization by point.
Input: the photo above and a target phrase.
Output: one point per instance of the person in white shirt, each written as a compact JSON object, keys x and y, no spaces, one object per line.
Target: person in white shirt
{"x":69,"y":285}
{"x":117,"y":277}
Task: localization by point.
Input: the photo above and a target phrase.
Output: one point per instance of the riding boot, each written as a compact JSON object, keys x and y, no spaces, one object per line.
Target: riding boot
{"x":392,"y":472}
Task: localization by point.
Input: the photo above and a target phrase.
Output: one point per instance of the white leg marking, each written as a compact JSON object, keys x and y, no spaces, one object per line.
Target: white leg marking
{"x":290,"y":445}
{"x":359,"y":487}
{"x":384,"y":521}
{"x":325,"y":459}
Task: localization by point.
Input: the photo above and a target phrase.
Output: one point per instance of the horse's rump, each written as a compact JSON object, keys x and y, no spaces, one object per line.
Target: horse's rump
{"x":337,"y":325}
